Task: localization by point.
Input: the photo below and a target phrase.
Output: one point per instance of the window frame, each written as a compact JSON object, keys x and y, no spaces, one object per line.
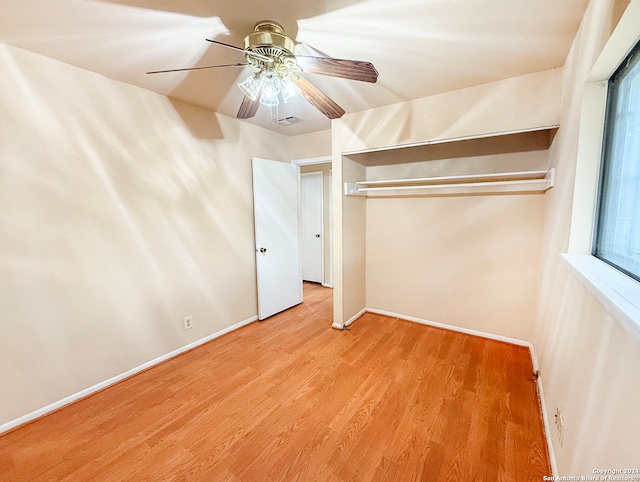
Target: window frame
{"x":610,"y":163}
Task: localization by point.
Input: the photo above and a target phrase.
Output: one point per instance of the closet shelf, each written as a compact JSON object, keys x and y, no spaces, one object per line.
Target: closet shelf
{"x":522,"y":181}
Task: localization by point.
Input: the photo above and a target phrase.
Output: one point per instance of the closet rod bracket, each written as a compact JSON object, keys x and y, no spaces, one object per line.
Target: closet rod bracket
{"x":351,"y":189}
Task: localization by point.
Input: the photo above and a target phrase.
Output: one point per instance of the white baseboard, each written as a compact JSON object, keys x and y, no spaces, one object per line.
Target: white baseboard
{"x":545,"y":415}
{"x":355,"y":317}
{"x":118,"y":378}
{"x":483,"y":334}
{"x":534,"y":358}
{"x":327,"y":285}
{"x":338,"y":326}
{"x":547,"y":430}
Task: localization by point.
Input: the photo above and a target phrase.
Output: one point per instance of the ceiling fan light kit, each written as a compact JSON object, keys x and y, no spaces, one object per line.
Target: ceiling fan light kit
{"x":266,"y":85}
{"x":276,"y":64}
{"x":279,"y":73}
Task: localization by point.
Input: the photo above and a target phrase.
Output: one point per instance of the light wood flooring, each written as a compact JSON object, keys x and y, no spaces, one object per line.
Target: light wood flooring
{"x":291,"y":399}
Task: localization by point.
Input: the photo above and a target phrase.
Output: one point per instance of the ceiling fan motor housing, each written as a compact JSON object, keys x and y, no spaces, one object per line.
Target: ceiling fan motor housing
{"x":268,"y":39}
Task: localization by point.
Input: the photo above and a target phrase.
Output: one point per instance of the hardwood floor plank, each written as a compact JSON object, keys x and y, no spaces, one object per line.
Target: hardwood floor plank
{"x":291,"y":399}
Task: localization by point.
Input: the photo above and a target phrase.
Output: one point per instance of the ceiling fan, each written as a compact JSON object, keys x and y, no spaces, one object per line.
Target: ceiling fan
{"x":279,"y":72}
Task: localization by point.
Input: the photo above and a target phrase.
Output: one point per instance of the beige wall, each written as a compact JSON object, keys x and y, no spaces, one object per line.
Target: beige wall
{"x":121,"y":212}
{"x":468,"y":261}
{"x":589,"y":365}
{"x":312,"y":145}
{"x":531,"y":100}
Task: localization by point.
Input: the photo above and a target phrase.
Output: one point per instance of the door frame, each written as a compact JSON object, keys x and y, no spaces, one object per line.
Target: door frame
{"x":328,"y":283}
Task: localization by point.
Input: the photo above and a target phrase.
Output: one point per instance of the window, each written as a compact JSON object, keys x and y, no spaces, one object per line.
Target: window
{"x":617,"y":293}
{"x":617,"y":239}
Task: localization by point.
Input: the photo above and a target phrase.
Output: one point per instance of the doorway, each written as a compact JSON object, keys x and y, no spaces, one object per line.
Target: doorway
{"x":312,"y":226}
{"x":323,"y":166}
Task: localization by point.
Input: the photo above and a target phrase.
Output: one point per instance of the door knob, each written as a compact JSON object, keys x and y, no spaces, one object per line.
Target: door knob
{"x":317,"y":235}
{"x":263,"y":250}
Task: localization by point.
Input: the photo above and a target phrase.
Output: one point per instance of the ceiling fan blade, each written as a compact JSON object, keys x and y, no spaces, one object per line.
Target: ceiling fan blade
{"x":318,"y":99}
{"x":346,"y":69}
{"x":196,"y":68}
{"x":248,"y":108}
{"x":264,"y":58}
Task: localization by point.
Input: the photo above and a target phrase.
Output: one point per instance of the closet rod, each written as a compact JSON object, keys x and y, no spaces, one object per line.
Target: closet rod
{"x":451,"y":185}
{"x":512,"y":176}
{"x":542,"y":180}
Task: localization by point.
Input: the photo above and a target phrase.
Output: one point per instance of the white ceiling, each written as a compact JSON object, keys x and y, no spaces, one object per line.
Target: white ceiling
{"x":419,"y":47}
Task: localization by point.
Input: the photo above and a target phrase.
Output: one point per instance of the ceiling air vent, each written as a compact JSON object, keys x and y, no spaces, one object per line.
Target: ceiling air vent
{"x":288,"y":120}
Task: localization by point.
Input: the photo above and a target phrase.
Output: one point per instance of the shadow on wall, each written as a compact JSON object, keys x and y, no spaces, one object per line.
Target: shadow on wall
{"x":200,"y":122}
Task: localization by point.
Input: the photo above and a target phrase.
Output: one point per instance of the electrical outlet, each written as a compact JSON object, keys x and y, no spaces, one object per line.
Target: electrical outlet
{"x":559,"y":425}
{"x":188,"y":323}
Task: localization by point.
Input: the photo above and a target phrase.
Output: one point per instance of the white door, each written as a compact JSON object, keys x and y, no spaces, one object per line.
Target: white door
{"x":311,"y":232}
{"x":275,"y":204}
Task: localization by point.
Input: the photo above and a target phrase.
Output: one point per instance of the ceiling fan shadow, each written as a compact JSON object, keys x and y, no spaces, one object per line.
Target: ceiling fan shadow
{"x":201,"y":123}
